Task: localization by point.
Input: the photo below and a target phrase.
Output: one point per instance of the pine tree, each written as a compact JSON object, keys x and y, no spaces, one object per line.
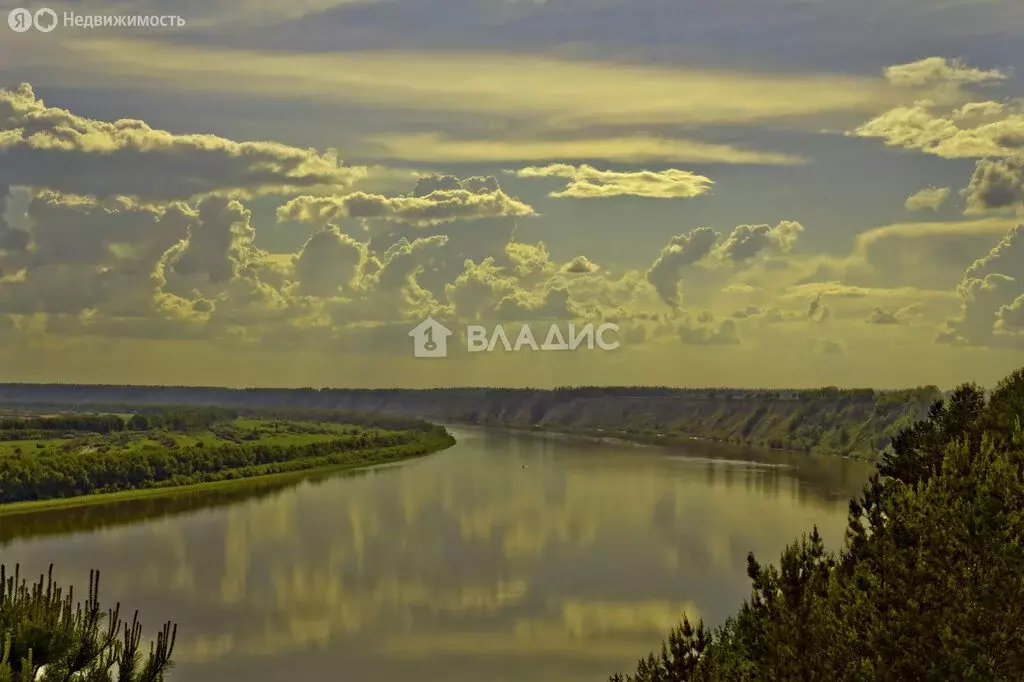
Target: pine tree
{"x":48,"y":637}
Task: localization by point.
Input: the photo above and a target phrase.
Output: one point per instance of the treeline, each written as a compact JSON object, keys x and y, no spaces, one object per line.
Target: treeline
{"x":55,"y":474}
{"x":45,"y":636}
{"x":180,"y":419}
{"x":927,"y":586}
{"x":101,"y":418}
{"x":94,"y":423}
{"x":169,"y":418}
{"x":334,"y":398}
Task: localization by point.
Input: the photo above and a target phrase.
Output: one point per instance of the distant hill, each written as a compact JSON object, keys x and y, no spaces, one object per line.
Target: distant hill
{"x":854,"y":422}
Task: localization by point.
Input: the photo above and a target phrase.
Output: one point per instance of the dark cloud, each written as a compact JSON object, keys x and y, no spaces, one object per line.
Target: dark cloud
{"x":682,"y":251}
{"x":747,"y":241}
{"x":996,"y":184}
{"x":220,"y":242}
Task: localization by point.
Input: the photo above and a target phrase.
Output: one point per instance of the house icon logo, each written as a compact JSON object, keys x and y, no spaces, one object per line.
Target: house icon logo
{"x":430,"y":339}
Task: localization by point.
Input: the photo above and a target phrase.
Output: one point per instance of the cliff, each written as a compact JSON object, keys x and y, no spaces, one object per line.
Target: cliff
{"x":857,"y":422}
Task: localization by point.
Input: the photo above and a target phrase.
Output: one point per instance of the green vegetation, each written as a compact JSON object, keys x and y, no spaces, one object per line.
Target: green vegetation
{"x":46,"y":636}
{"x":928,"y":585}
{"x":851,"y":422}
{"x":68,"y":456}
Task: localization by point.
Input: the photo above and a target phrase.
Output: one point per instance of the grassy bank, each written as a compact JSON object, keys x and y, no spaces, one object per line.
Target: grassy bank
{"x":75,"y":468}
{"x":14,"y":508}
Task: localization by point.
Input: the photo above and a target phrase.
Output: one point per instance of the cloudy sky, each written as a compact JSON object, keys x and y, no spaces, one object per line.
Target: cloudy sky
{"x":758,"y":192}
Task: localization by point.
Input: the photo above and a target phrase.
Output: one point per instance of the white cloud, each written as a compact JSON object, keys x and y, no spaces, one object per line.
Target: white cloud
{"x":984,"y":131}
{"x":939,"y":70}
{"x":436,"y":208}
{"x":587,"y":182}
{"x":990,"y":291}
{"x":46,"y":147}
{"x":433,"y":148}
{"x":929,"y":197}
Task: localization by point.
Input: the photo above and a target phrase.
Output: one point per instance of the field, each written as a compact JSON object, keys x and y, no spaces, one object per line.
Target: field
{"x":73,"y":458}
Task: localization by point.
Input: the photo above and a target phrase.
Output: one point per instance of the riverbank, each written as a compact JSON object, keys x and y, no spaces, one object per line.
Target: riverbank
{"x":856,"y":423}
{"x":283,"y":470}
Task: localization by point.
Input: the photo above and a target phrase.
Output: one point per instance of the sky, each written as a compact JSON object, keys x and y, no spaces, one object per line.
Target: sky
{"x":756,"y":193}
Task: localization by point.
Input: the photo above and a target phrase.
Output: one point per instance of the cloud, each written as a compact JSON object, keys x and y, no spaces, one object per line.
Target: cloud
{"x":433,"y":148}
{"x":996,"y":184}
{"x":85,"y":253}
{"x":977,"y":130}
{"x":1010,"y":318}
{"x":926,"y":255}
{"x":554,"y":304}
{"x":11,"y":239}
{"x":530,"y":262}
{"x":438,"y":207}
{"x":939,"y":70}
{"x":219,"y":243}
{"x":479,"y":289}
{"x":929,"y":197}
{"x":882,"y":316}
{"x":587,"y":182}
{"x":511,"y":85}
{"x":886,"y":316}
{"x":47,"y":147}
{"x":990,"y":291}
{"x":330,"y":263}
{"x":580,"y":264}
{"x":747,"y":241}
{"x":704,"y":332}
{"x":681,"y":252}
{"x":719,"y":258}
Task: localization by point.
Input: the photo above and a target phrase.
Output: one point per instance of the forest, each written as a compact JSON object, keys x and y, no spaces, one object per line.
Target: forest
{"x":64,"y":456}
{"x":927,"y":586}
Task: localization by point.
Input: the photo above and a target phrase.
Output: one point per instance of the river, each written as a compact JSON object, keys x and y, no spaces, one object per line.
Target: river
{"x":510,"y":557}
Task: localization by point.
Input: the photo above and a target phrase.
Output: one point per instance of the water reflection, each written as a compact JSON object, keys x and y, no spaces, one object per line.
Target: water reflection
{"x":460,"y":566}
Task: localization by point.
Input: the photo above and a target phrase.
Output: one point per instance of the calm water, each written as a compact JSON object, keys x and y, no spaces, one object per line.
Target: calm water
{"x":459,"y":567}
